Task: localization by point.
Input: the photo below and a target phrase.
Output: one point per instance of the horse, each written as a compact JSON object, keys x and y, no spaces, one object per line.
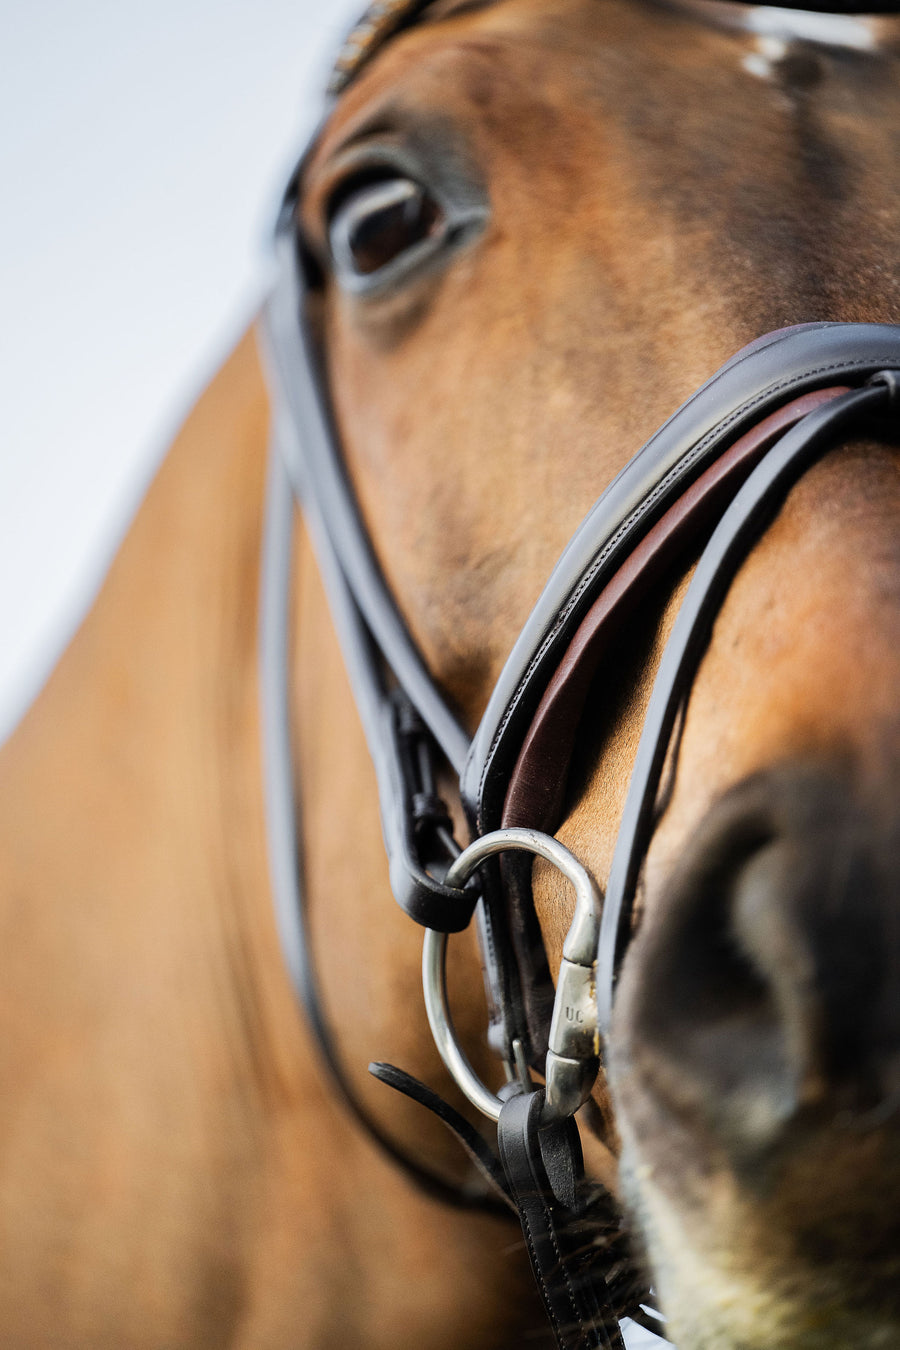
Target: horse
{"x":530,"y":229}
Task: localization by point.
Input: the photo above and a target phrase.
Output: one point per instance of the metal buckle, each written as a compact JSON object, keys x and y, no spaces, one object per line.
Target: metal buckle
{"x":573,"y":1059}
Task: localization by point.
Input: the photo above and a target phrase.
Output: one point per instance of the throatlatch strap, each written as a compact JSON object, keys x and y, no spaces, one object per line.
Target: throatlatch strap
{"x":543,"y":1168}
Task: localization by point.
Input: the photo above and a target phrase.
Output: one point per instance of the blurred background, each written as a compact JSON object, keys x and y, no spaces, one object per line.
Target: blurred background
{"x":143,"y":148}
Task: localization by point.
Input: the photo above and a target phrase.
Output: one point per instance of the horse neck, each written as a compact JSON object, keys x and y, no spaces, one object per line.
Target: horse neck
{"x":131,"y":789}
{"x":157,"y":1019}
{"x":144,"y":752}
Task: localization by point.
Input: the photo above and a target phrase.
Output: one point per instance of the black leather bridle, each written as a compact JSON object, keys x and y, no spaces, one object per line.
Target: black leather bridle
{"x":717,"y":471}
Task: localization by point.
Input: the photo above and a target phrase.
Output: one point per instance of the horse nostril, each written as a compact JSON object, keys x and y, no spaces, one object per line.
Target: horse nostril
{"x":712,"y":1008}
{"x":760,"y":984}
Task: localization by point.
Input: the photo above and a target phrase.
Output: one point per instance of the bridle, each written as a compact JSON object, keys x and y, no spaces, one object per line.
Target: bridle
{"x":717,"y":471}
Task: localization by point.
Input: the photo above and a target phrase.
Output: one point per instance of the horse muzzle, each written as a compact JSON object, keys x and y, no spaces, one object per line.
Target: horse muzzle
{"x":755,"y":1066}
{"x":767,"y":992}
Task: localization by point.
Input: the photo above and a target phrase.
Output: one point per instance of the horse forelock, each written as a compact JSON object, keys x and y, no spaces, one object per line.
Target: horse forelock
{"x":378,"y":24}
{"x":380,"y":21}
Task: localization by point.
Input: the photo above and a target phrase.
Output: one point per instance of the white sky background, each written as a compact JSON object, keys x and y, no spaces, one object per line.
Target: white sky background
{"x":142,"y":150}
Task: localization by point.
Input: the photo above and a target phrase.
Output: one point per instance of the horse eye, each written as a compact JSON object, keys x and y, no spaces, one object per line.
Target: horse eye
{"x":376,"y":224}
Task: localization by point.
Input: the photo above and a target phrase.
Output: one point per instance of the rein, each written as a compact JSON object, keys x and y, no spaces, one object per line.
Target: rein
{"x":716,"y":471}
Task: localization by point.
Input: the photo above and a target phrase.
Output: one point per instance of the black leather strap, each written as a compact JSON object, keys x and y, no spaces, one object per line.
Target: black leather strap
{"x":407,"y":721}
{"x":389,"y":678}
{"x":739,"y":528}
{"x":544,"y":1169}
{"x":283,"y":817}
{"x":476,"y":1147}
{"x":310,"y":445}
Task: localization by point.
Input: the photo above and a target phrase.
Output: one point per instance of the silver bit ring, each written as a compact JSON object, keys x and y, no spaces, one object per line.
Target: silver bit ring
{"x":573,"y":1057}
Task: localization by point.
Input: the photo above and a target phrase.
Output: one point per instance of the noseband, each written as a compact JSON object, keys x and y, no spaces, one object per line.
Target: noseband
{"x":709,"y":480}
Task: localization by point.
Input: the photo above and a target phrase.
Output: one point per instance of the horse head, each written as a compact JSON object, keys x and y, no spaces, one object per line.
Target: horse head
{"x":531,"y":230}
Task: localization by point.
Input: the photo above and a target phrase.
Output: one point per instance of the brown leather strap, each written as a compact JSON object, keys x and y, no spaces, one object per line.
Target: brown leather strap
{"x":536,"y":788}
